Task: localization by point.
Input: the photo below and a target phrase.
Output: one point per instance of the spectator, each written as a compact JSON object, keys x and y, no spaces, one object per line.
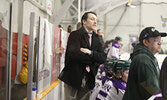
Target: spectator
{"x":107,"y":45}
{"x":143,"y":80}
{"x":101,"y":36}
{"x":79,"y":25}
{"x":60,"y":26}
{"x":84,"y":54}
{"x":69,"y":29}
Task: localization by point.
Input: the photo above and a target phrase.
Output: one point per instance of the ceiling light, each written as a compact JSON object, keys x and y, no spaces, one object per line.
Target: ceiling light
{"x":129,"y":4}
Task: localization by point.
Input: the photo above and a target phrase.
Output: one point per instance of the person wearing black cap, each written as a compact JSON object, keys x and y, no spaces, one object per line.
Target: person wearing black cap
{"x":114,"y":50}
{"x":143,"y":79}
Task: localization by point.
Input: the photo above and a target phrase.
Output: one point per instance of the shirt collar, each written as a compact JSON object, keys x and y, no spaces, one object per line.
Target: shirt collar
{"x":87,"y":32}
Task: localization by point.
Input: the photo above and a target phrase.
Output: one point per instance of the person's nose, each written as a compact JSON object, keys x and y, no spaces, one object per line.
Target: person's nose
{"x":160,"y":42}
{"x":95,"y":21}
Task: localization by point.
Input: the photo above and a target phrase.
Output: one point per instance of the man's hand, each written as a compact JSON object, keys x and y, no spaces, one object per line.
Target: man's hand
{"x":87,"y":68}
{"x":100,"y":65}
{"x":85,"y":50}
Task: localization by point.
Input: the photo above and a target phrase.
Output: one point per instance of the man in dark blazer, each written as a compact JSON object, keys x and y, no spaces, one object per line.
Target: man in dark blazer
{"x":82,"y":59}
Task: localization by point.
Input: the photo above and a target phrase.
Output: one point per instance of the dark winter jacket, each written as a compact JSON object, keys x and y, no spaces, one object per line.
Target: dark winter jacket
{"x":143,"y":80}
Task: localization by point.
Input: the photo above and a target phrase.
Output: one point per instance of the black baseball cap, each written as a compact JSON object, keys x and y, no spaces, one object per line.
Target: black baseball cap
{"x":150,"y":32}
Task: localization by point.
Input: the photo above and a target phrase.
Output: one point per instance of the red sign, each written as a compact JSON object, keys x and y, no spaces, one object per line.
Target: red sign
{"x":56,"y":54}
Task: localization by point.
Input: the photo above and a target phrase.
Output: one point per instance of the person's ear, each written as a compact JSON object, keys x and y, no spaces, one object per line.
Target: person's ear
{"x":145,"y":42}
{"x":84,"y":21}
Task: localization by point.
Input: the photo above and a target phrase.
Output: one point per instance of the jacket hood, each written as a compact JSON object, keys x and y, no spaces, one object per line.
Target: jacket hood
{"x":139,"y":49}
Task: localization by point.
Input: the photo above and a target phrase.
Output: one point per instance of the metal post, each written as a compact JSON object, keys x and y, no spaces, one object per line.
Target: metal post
{"x":105,"y":26}
{"x":9,"y":57}
{"x":31,"y":57}
{"x":20,"y":38}
{"x":79,"y":10}
{"x":83,"y":7}
{"x":140,"y":16}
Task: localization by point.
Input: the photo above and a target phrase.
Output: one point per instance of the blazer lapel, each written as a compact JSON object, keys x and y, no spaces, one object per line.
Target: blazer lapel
{"x":86,"y":38}
{"x":93,"y":40}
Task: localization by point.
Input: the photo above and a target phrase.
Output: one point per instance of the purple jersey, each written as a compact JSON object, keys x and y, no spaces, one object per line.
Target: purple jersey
{"x":110,"y":89}
{"x":98,"y":80}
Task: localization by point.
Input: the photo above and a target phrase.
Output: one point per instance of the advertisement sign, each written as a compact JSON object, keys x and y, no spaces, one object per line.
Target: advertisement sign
{"x":64,"y":38}
{"x":44,"y":56}
{"x":56,"y":54}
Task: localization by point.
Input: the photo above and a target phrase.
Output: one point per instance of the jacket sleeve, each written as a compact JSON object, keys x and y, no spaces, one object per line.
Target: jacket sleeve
{"x":99,"y":56}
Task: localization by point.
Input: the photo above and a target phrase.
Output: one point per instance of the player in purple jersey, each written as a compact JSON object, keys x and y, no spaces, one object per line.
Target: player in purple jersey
{"x":112,"y":86}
